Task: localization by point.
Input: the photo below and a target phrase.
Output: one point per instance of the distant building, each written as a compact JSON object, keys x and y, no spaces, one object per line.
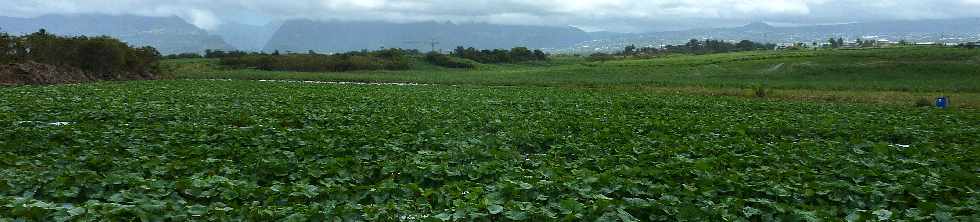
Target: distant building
{"x":885,"y":43}
{"x":814,"y":45}
{"x":971,"y":45}
{"x":782,"y":46}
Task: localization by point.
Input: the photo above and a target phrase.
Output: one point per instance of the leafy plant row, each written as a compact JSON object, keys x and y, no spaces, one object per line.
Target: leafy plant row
{"x":238,"y":150}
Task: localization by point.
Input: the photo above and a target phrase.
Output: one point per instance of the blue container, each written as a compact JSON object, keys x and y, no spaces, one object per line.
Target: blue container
{"x":942,"y":102}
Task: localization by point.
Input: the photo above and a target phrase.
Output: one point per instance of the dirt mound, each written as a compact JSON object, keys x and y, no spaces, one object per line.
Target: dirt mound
{"x":40,"y":73}
{"x":33,"y":73}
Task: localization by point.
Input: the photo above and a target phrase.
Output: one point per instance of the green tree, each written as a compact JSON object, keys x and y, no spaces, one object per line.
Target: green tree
{"x":629,"y":50}
{"x":7,"y":45}
{"x":103,"y":56}
{"x":540,"y":55}
{"x":459,"y":51}
{"x":521,"y":54}
{"x":694,"y":45}
{"x":745,"y":45}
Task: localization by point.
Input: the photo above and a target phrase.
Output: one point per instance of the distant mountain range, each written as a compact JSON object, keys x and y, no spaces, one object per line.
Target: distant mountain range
{"x":338,"y":36}
{"x":949,"y":30}
{"x":173,"y":35}
{"x":167,"y":34}
{"x":247,"y":37}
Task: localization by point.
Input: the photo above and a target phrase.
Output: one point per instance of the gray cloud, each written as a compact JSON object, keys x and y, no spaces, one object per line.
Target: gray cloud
{"x":616,"y":15}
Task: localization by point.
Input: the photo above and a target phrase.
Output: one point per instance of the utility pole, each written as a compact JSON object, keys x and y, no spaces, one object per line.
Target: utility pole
{"x":432,"y":43}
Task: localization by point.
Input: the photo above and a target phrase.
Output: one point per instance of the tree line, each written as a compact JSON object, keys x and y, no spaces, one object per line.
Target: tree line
{"x":387,"y":59}
{"x":694,"y":46}
{"x":970,"y":45}
{"x":859,"y":43}
{"x":514,"y":55}
{"x":444,"y":60}
{"x":217,"y":54}
{"x":708,"y":46}
{"x":103,"y":57}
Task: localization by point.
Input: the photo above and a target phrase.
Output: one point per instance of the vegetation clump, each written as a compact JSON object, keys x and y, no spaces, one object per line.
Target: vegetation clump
{"x":100,"y":58}
{"x":600,"y":57}
{"x":389,"y":59}
{"x":699,"y":47}
{"x":443,"y":60}
{"x":923,"y":102}
{"x":386,"y":59}
{"x":188,"y":55}
{"x":496,"y":56}
{"x":761,"y":91}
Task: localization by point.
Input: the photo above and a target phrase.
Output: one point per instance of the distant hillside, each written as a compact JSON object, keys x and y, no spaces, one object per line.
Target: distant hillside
{"x":168,"y":35}
{"x":336,"y":36}
{"x":951,"y":30}
{"x":247,"y":37}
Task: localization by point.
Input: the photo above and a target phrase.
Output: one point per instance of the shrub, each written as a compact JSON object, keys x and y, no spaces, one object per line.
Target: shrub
{"x":515,"y":55}
{"x":600,"y":57}
{"x":184,"y":56}
{"x":104,"y":57}
{"x":923,"y":102}
{"x":7,"y":46}
{"x":761,"y":92}
{"x":223,"y":54}
{"x":440,"y":59}
{"x":390,"y":59}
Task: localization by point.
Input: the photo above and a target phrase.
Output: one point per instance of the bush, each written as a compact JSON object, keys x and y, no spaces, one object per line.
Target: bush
{"x":105,"y":58}
{"x":7,"y":46}
{"x":440,"y":59}
{"x":515,"y":55}
{"x":761,"y":92}
{"x":184,"y":56}
{"x":223,"y":54}
{"x":923,"y":102}
{"x":390,"y":59}
{"x":600,"y":57}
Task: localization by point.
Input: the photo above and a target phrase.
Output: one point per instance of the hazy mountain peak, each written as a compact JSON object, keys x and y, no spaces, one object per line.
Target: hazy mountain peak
{"x":758,"y":26}
{"x":247,"y":37}
{"x":167,"y":34}
{"x":339,"y":36}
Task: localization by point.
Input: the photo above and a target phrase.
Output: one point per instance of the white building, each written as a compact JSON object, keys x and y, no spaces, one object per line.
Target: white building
{"x":785,"y":46}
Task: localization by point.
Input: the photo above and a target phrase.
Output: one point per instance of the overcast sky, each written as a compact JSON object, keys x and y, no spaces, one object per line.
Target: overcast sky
{"x":592,"y":15}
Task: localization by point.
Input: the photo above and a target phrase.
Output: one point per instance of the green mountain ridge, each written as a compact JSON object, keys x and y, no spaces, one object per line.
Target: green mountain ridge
{"x":168,"y":34}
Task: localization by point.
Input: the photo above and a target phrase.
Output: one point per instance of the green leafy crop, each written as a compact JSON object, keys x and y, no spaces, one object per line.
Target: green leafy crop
{"x":196,"y":150}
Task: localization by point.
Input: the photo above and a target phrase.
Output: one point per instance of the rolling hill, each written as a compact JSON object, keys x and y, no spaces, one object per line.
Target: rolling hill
{"x":339,"y":36}
{"x":167,"y":34}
